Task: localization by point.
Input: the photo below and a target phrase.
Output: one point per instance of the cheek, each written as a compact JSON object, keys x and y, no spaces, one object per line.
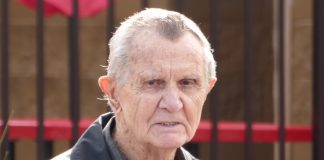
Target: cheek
{"x":144,"y":109}
{"x":146,"y":106}
{"x":193,"y":109}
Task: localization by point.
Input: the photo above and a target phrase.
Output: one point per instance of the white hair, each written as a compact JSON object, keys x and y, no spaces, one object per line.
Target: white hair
{"x":168,"y":24}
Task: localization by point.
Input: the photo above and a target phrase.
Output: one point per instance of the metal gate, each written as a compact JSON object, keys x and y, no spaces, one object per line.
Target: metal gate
{"x":211,"y":131}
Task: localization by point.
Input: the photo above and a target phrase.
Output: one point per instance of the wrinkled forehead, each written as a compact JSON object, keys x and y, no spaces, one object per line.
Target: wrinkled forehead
{"x":150,"y":45}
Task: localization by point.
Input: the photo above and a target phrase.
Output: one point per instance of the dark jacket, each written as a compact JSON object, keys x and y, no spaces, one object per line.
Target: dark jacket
{"x":97,"y":144}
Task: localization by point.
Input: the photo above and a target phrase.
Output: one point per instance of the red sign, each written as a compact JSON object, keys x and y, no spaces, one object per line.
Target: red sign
{"x":64,"y":7}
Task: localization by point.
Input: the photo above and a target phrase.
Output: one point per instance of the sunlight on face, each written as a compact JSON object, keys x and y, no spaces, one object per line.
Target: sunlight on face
{"x":166,"y":87}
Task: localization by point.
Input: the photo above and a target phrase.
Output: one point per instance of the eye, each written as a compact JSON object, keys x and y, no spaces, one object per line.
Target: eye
{"x":154,"y":83}
{"x":187,"y":82}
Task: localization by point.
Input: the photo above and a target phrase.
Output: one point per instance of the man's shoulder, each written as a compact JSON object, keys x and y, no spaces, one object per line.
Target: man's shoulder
{"x":91,"y":142}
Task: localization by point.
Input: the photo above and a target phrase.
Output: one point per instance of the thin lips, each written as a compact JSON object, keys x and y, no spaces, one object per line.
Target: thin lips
{"x":168,"y":123}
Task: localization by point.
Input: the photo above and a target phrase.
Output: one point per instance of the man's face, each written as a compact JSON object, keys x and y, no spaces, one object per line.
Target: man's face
{"x":165,"y":89}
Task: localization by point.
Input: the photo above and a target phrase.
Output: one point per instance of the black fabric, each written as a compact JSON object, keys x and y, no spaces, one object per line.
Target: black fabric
{"x":92,"y":145}
{"x":97,"y":144}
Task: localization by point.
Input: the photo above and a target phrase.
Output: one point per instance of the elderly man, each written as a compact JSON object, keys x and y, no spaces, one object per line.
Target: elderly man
{"x":160,"y":71}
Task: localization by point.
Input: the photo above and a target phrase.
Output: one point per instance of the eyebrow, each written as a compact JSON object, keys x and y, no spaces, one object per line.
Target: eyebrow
{"x":147,"y":75}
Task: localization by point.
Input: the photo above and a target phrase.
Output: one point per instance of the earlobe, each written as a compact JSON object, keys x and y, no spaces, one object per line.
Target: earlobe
{"x":212,"y":82}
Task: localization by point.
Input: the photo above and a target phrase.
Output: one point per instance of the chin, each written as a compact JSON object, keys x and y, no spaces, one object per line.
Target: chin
{"x":169,"y":142}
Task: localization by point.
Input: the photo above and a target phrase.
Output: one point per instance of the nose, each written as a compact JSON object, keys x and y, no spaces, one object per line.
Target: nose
{"x":171,"y":100}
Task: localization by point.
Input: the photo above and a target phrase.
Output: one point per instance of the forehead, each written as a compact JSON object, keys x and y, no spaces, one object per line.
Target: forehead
{"x":150,"y":47}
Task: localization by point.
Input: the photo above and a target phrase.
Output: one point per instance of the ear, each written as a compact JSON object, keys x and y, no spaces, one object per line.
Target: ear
{"x":211,"y":84}
{"x":107,"y":86}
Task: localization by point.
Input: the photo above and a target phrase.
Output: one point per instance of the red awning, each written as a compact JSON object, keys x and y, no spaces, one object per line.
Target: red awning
{"x":86,"y":7}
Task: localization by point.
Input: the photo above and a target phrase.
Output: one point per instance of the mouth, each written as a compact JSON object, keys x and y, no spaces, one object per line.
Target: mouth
{"x":168,"y":124}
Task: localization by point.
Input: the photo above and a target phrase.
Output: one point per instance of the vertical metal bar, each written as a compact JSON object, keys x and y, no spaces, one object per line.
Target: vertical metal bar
{"x":74,"y":72}
{"x":4,"y":70}
{"x":111,"y":18}
{"x":48,"y":149}
{"x":110,"y":23}
{"x":179,"y":5}
{"x":40,"y":78}
{"x":248,"y":78}
{"x":281,"y":60}
{"x":214,"y":113}
{"x":11,"y":149}
{"x":145,"y":4}
{"x":318,"y":86}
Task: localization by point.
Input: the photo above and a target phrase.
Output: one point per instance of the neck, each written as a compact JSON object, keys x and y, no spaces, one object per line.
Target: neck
{"x":135,"y":150}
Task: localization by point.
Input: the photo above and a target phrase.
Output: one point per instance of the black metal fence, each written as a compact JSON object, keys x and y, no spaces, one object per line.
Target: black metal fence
{"x":44,"y":147}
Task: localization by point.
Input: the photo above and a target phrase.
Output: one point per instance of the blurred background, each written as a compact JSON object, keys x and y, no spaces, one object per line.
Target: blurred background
{"x":223,"y":22}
